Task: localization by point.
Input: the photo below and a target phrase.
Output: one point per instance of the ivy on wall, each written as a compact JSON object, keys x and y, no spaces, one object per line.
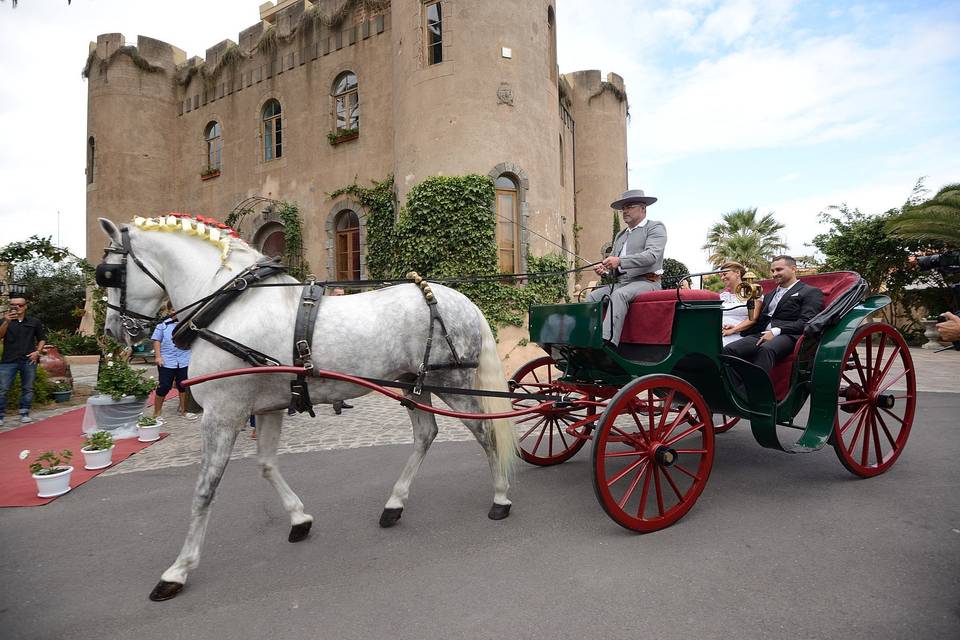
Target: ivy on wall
{"x":447,"y":230}
{"x":288,"y":214}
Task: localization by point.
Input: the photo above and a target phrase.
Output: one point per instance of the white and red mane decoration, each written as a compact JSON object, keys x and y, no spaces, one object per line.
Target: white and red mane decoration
{"x":201,"y":226}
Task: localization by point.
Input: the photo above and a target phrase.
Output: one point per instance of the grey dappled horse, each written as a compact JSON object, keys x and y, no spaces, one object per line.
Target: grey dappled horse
{"x":379,"y":334}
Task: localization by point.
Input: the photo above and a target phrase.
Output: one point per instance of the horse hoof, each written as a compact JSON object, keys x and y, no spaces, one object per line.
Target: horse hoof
{"x":390,"y":517}
{"x":499,"y":511}
{"x":165,"y":590}
{"x":299,"y":531}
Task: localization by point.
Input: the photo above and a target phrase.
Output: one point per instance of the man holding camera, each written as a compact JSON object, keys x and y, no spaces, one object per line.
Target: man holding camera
{"x":23,"y":341}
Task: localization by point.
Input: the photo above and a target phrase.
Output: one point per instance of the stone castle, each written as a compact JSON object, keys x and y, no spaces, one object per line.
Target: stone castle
{"x":320,"y":94}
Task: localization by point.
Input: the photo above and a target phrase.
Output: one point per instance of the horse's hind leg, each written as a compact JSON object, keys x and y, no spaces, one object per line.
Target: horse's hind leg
{"x":482,"y":431}
{"x":424,"y":431}
{"x":218,"y":435}
{"x":268,"y":439}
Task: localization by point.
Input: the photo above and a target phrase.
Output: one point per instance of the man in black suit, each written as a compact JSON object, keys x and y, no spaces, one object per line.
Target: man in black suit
{"x":785,"y":311}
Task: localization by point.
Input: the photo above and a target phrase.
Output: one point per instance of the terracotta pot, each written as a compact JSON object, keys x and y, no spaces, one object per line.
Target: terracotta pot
{"x":55,"y":364}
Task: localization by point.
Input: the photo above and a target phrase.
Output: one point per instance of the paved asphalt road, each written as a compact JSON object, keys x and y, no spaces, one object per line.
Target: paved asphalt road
{"x":778,"y":546}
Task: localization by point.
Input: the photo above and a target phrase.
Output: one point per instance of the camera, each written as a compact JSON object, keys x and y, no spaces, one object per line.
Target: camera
{"x":947,"y":263}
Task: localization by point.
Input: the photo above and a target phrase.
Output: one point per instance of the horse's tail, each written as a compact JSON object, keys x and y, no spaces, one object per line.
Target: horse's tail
{"x":490,"y":376}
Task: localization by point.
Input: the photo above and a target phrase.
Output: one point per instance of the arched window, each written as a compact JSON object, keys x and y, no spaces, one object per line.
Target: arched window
{"x":346,"y":101}
{"x":271,"y":240}
{"x":91,"y":158}
{"x":214,"y":145}
{"x":508,"y":223}
{"x":348,"y":246}
{"x":272,"y":131}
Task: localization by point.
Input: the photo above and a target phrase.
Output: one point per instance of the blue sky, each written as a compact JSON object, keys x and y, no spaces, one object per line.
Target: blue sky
{"x":783,"y":105}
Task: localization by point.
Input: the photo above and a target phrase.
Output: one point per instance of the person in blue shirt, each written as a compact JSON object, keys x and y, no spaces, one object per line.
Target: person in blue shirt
{"x":172,"y":363}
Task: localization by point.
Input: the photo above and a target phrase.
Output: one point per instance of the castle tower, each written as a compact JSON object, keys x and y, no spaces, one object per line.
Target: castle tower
{"x":131,"y":110}
{"x":599,"y":108}
{"x":481,"y":100}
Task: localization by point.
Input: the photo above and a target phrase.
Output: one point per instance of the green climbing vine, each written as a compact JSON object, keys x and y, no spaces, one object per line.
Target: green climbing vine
{"x":447,"y":230}
{"x":288,"y":214}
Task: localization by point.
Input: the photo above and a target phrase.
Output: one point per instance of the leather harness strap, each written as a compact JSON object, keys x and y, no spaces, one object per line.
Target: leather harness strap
{"x":302,"y":347}
{"x":189,"y":328}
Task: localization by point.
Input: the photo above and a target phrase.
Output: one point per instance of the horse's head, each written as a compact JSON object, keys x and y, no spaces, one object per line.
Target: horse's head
{"x":134,"y":290}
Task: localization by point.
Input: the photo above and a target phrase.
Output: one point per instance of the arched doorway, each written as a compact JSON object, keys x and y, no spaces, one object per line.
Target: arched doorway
{"x":270,"y":240}
{"x":347,"y":245}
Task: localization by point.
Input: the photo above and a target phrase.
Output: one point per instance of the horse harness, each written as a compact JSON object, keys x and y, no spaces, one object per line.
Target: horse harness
{"x":196,"y":324}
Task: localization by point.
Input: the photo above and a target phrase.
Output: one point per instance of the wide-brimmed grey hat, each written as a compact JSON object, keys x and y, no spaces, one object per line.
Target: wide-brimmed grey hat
{"x":633,"y":195}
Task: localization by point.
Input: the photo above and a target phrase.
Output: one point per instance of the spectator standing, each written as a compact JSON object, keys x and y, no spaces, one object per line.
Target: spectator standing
{"x":23,"y":340}
{"x":172,"y":364}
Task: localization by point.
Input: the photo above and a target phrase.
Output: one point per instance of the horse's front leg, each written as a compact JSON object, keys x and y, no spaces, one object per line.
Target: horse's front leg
{"x":218,"y":435}
{"x":268,"y":439}
{"x":424,"y":431}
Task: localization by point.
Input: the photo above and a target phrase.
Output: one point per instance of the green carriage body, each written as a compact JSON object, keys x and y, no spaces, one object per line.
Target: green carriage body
{"x":648,"y":408}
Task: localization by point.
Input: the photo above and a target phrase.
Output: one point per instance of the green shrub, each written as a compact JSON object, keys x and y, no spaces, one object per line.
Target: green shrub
{"x":70,"y":343}
{"x":50,"y":462}
{"x":118,"y":379}
{"x":98,"y":441}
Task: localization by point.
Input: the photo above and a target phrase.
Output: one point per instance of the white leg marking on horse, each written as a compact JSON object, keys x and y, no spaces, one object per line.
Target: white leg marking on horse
{"x":218,"y":436}
{"x":268,"y":439}
{"x":424,"y":431}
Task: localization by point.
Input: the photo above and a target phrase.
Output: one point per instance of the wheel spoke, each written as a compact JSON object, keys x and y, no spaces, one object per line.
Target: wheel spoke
{"x":878,"y":357}
{"x":894,"y":381}
{"x":849,"y":402}
{"x":624,"y":454}
{"x":632,"y":487}
{"x":865,"y":449}
{"x":640,"y":429}
{"x":533,"y":428}
{"x":894,"y":416}
{"x":680,"y":418}
{"x":876,"y":439}
{"x":630,"y":467}
{"x":629,"y":437}
{"x":656,"y":482}
{"x":673,"y":485}
{"x":869,"y":358}
{"x":859,"y":365}
{"x":666,"y":411}
{"x":856,"y":434}
{"x":886,"y":431}
{"x":693,"y":429}
{"x":642,"y":508}
{"x":536,"y":447}
{"x":846,"y":425}
{"x":532,"y":416}
{"x":681,"y":469}
{"x":566,"y":445}
{"x":700,"y":451}
{"x":886,"y":368}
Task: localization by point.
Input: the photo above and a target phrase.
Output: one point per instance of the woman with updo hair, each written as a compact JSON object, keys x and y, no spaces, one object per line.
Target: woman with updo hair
{"x":737,"y":314}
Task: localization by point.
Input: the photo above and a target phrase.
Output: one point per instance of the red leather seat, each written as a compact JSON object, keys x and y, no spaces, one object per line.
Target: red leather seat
{"x":833,"y":286}
{"x":650,"y":317}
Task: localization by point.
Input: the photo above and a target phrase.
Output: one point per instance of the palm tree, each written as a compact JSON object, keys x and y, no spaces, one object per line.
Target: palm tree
{"x":936,"y":220}
{"x":744,"y":237}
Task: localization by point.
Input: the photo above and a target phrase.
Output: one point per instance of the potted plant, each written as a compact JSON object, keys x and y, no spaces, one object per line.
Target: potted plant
{"x":61,"y":390}
{"x":343,"y":135}
{"x":98,"y":450}
{"x":123,"y":392}
{"x":52,"y":473}
{"x":149,"y":428}
{"x":209,"y":172}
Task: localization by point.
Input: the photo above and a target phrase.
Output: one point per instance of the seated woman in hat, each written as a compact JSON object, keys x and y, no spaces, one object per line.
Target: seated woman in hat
{"x":737,"y":315}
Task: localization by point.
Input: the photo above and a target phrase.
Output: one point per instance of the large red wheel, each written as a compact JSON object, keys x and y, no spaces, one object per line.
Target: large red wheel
{"x":725,"y":423}
{"x":652,"y":453}
{"x":543,"y":436}
{"x":878,"y":397}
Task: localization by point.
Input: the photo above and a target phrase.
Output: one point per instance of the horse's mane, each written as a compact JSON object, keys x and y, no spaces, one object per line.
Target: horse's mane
{"x":223,"y":237}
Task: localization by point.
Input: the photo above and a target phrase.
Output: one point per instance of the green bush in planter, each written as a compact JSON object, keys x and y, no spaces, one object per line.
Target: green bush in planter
{"x":119,"y":379}
{"x":147,"y":421}
{"x":71,"y":343}
{"x":50,"y":462}
{"x":98,"y":441}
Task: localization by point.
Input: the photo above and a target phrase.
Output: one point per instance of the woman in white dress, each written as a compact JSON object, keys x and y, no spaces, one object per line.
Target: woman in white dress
{"x":737,"y":314}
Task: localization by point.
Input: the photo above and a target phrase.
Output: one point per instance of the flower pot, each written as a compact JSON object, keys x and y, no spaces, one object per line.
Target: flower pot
{"x":54,"y":484}
{"x":61,"y":396}
{"x":931,"y":334}
{"x":151,"y":433}
{"x":55,"y":364}
{"x":110,"y":414}
{"x":97,"y":458}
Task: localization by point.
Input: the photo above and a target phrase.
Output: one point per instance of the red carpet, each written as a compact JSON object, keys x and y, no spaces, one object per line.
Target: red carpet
{"x":17,"y":487}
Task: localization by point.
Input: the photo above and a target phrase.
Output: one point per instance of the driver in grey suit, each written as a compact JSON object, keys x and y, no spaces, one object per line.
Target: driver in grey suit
{"x":635,"y":261}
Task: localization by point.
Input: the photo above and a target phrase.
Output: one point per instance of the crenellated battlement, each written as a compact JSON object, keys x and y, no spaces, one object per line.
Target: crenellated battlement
{"x":149,"y":54}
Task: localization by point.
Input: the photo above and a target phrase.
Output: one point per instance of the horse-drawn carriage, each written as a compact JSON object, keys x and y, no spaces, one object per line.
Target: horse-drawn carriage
{"x":649,"y":405}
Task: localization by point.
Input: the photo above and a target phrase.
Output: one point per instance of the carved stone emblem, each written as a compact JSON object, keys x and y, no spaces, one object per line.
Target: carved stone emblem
{"x":505,"y":94}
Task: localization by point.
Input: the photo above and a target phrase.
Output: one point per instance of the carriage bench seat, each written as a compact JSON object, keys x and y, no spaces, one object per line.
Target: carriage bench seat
{"x":650,"y":317}
{"x":834,"y":286}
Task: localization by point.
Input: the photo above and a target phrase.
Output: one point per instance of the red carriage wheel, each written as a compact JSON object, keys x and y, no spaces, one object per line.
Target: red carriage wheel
{"x":543,"y":436}
{"x":725,"y":423}
{"x":878,"y":397}
{"x":652,"y":453}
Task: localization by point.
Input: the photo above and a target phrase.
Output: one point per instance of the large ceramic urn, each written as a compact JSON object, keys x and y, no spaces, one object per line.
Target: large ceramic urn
{"x":55,"y":364}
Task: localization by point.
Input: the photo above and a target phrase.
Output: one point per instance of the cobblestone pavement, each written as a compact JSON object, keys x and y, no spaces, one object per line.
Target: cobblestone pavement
{"x":375,"y":420}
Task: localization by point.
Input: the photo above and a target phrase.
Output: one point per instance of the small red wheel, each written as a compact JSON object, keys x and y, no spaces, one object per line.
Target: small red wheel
{"x":543,"y":436}
{"x":652,"y":453}
{"x":725,"y":423}
{"x":874,"y":418}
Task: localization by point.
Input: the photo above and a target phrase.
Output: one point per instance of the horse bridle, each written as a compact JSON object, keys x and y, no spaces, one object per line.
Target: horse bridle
{"x":114,"y":276}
